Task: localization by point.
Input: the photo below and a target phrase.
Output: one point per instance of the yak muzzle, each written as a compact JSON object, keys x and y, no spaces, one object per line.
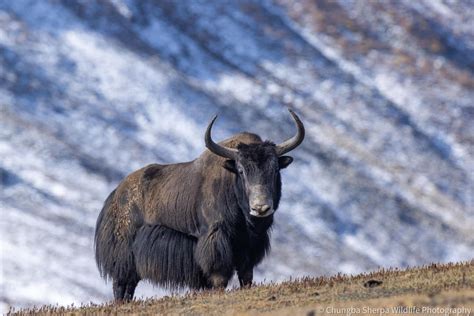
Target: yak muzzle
{"x":261,"y":210}
{"x":261,"y":203}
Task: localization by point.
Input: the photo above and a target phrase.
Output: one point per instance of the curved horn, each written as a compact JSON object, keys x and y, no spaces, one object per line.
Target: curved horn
{"x":216,"y":148}
{"x":294,"y":141}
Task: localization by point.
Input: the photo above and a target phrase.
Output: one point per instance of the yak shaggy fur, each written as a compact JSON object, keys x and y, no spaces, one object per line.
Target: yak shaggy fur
{"x":184,"y":225}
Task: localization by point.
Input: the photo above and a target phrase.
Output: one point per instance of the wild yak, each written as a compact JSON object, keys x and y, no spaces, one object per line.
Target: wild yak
{"x":193,"y":224}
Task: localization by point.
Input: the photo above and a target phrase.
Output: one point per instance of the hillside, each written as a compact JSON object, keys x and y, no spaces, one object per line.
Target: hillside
{"x":425,"y":290}
{"x":93,"y":90}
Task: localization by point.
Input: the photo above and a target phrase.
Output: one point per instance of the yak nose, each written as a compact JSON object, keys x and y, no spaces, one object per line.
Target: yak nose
{"x":261,"y":208}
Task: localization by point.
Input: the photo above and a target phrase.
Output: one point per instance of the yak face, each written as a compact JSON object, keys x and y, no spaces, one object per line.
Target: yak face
{"x":257,"y":167}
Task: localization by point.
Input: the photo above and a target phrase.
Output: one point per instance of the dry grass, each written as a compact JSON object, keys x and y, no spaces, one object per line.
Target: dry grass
{"x":436,"y":285}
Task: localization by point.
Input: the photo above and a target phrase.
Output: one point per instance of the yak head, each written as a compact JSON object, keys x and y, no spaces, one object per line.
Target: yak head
{"x":258,"y":166}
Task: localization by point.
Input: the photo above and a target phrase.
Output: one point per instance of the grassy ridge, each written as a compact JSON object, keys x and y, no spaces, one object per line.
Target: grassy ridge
{"x":436,"y":285}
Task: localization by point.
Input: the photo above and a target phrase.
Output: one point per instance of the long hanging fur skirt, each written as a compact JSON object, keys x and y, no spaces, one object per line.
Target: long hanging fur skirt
{"x":166,"y":257}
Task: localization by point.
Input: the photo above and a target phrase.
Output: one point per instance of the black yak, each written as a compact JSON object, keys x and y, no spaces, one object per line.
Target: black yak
{"x":193,"y":224}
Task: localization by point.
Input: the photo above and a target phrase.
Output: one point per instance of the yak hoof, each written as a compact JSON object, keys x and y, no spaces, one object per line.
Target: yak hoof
{"x":245,"y":279}
{"x":124,"y":291}
{"x":218,"y":281}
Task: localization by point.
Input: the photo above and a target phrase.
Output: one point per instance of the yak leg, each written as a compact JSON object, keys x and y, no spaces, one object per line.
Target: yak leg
{"x":244,"y":270}
{"x":125,"y":289}
{"x":245,"y":277}
{"x":130,"y":289}
{"x":119,"y":290}
{"x":214,"y":256}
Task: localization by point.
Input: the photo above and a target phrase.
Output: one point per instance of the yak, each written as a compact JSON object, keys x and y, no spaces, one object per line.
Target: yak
{"x":194,"y":224}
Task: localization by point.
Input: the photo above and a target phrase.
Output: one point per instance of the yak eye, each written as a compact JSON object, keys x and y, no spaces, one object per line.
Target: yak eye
{"x":241,"y":171}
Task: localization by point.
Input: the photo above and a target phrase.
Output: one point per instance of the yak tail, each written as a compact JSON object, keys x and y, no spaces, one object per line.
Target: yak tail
{"x":166,"y":257}
{"x":113,"y":251}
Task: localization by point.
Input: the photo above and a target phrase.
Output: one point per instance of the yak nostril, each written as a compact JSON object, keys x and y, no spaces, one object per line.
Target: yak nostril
{"x":261,"y":208}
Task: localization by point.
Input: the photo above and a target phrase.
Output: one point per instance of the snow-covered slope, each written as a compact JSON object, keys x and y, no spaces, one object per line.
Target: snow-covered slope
{"x":92,"y":91}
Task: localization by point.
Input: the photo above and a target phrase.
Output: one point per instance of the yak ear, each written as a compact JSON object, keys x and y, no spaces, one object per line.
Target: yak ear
{"x":229,"y":164}
{"x":284,"y":161}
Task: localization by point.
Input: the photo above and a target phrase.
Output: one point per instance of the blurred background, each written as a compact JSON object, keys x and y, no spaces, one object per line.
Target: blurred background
{"x":92,"y":90}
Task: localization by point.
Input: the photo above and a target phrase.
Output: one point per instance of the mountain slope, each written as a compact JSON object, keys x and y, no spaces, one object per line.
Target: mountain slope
{"x":91,"y":92}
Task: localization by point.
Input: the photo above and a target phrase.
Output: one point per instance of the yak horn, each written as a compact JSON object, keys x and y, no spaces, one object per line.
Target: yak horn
{"x":217,"y":149}
{"x":293,"y":142}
